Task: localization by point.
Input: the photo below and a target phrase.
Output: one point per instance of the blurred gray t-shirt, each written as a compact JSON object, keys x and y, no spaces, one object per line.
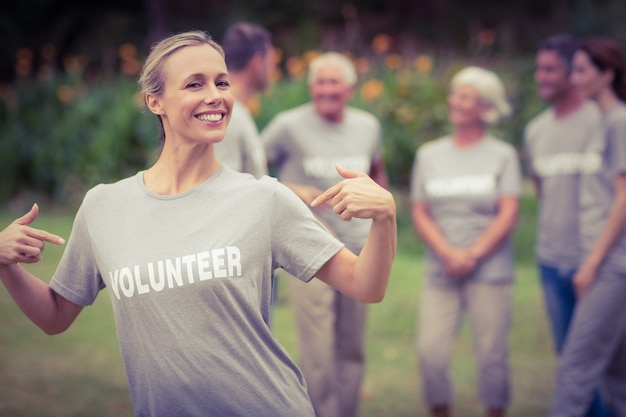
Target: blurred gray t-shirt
{"x":556,"y":154}
{"x":305,"y":149}
{"x":190,"y":282}
{"x":462,"y":188}
{"x":241,"y":148}
{"x":597,"y":187}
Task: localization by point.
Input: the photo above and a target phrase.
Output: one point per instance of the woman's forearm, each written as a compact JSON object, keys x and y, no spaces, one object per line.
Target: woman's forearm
{"x":501,"y":227}
{"x":50,"y":312}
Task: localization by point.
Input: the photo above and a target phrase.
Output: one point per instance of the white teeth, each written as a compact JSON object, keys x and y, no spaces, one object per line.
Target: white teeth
{"x":210,"y":117}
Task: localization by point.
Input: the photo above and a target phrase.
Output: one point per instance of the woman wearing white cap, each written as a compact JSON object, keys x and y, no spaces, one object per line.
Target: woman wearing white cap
{"x":465,"y":194}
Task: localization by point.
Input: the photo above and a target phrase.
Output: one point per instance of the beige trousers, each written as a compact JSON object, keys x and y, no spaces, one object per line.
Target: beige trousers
{"x":330,"y":330}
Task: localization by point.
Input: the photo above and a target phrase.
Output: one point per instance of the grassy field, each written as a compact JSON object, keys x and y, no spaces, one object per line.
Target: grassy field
{"x":80,"y":373}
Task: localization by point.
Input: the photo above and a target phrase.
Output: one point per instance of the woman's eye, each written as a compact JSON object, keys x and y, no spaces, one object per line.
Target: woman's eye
{"x":193,"y":84}
{"x":223,"y":84}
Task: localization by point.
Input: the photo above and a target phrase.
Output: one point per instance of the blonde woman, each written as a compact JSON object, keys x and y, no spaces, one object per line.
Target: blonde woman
{"x":188,"y":248}
{"x":464,"y":190}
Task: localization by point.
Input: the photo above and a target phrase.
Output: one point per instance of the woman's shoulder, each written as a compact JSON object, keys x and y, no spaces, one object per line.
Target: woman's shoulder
{"x":113,"y":189}
{"x":436,"y":145}
{"x":500,"y":146}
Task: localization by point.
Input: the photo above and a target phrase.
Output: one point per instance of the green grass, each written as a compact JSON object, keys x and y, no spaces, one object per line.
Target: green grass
{"x":80,"y":372}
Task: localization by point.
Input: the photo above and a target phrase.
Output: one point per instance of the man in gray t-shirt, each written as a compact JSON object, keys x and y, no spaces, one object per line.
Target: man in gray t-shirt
{"x":305,"y":144}
{"x":556,"y":143}
{"x":250,"y":62}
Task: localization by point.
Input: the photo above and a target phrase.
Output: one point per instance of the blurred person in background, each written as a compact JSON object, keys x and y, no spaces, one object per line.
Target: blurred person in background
{"x":595,"y":347}
{"x":305,"y":144}
{"x":555,"y":144}
{"x":188,"y":260}
{"x":251,"y":63}
{"x":465,"y":191}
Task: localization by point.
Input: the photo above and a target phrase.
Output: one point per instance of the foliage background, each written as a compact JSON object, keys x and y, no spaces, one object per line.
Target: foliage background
{"x":69,"y":114}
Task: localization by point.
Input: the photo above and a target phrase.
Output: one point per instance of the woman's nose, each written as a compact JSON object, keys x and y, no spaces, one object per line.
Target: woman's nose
{"x":213,"y":95}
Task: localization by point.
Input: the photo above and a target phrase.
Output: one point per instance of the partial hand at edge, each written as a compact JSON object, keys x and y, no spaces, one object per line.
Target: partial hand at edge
{"x":20,"y":243}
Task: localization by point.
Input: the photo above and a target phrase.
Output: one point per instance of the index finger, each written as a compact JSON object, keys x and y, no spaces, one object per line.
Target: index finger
{"x":326,"y":195}
{"x":48,"y":237}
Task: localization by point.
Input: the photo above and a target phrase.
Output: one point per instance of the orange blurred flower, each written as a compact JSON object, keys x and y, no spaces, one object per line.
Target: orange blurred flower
{"x":24,"y":64}
{"x":131,"y":67}
{"x":65,"y":94}
{"x":393,"y":62}
{"x":254,"y":105}
{"x":381,"y":43}
{"x":296,"y":67}
{"x":372,"y":89}
{"x":424,"y":64}
{"x":75,"y":63}
{"x":310,"y":56}
{"x":127,"y":52}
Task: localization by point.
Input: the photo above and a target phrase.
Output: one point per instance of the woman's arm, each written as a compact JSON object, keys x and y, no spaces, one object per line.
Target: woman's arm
{"x":501,"y":226}
{"x":48,"y":310}
{"x":21,"y":243}
{"x":457,"y":261}
{"x":364,"y":277}
{"x":613,"y":229}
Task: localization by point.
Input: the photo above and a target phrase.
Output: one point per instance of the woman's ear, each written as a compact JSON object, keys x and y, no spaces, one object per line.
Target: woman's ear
{"x":154,"y":104}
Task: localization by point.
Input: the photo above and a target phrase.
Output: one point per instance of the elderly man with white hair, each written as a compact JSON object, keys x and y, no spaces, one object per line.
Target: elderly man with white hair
{"x":465,"y":191}
{"x":305,"y":145}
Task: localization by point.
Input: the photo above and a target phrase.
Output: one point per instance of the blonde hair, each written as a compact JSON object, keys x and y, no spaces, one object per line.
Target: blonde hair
{"x":152,"y":78}
{"x":490,"y":89}
{"x":333,"y":59}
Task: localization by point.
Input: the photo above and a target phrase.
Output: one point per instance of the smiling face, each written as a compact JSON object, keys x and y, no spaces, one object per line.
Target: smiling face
{"x":465,"y":106}
{"x":551,"y":75}
{"x":587,"y":77}
{"x":196,"y":102}
{"x":330,"y":92}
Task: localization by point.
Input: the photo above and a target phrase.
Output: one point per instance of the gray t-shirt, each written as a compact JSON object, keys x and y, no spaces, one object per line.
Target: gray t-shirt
{"x":241,"y":148}
{"x":597,"y":190}
{"x":190,"y":281}
{"x":556,"y":152}
{"x":462,"y":187}
{"x":305,"y":149}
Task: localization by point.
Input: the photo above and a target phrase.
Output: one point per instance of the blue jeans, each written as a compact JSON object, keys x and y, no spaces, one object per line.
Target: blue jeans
{"x":560,"y":299}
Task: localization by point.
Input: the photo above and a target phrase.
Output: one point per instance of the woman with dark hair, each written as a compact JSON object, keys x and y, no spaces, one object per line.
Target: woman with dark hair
{"x":595,"y":348}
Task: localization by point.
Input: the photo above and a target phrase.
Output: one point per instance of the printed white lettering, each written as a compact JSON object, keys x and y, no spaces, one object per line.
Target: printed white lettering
{"x":567,"y":164}
{"x":154,"y":284}
{"x":127,"y":282}
{"x":142,"y":288}
{"x":214,"y":264}
{"x":188,"y":261}
{"x":203,"y":266}
{"x":233,"y":256}
{"x":114,"y":278}
{"x":174,"y":272}
{"x":461,"y":186}
{"x":324,"y":167}
{"x":218,"y":263}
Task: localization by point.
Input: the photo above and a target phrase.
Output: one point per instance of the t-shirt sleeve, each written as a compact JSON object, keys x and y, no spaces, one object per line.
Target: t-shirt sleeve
{"x":300,"y":244}
{"x":77,"y":277}
{"x":616,"y":136}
